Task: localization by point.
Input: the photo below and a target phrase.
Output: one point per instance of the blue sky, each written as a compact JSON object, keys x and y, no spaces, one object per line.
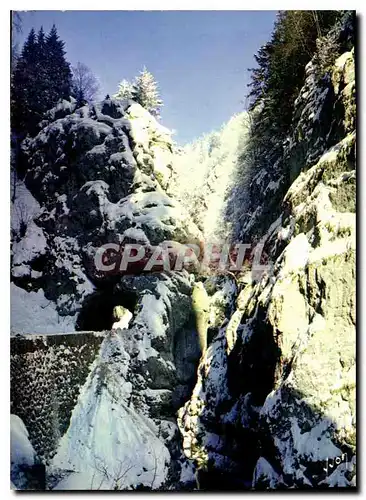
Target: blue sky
{"x":199,"y":58}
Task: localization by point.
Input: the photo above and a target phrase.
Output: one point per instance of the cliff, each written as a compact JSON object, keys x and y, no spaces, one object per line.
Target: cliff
{"x":274,"y":404}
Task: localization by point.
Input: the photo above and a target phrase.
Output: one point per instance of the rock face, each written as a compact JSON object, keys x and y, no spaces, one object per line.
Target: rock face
{"x":274,"y":404}
{"x":97,"y":175}
{"x":97,"y":402}
{"x":324,"y":113}
{"x":122,"y":434}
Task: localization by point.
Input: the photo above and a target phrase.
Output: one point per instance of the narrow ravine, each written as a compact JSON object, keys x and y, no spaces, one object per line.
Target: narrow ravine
{"x":205,"y":376}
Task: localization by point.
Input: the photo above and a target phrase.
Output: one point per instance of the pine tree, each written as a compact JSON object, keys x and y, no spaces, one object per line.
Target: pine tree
{"x":41,"y":39}
{"x":23,"y":84}
{"x":281,"y":62}
{"x":41,"y":77}
{"x":59,"y":72}
{"x":29,"y":47}
{"x":145,"y":92}
{"x":125,"y":89}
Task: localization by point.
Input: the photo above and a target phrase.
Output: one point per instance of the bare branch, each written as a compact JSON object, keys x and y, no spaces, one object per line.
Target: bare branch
{"x":85,"y":84}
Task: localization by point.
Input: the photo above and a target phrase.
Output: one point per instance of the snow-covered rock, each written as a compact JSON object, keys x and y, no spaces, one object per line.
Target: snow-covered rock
{"x":100,"y":408}
{"x":22,"y":451}
{"x":26,"y":470}
{"x":109,"y":445}
{"x":97,"y":176}
{"x":274,"y":404}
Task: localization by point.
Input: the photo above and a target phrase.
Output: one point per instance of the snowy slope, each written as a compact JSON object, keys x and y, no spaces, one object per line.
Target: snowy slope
{"x":110,"y":446}
{"x":31,"y":312}
{"x":204,"y":173}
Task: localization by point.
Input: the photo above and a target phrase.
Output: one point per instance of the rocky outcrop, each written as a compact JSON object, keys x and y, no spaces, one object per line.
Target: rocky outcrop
{"x":274,"y":404}
{"x":99,"y":174}
{"x":65,"y":386}
{"x":122,"y":433}
{"x":324,"y":113}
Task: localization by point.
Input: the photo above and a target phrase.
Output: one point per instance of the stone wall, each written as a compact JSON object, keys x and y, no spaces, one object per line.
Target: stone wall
{"x":47,"y":372}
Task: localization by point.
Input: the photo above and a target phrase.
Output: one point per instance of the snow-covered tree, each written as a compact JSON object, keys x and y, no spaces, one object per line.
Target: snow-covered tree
{"x":124,"y":90}
{"x":145,"y":91}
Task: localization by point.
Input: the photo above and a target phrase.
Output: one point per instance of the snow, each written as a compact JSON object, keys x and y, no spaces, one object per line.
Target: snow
{"x":187,"y":472}
{"x":338,"y":478}
{"x":153,"y":315}
{"x":124,"y":157}
{"x":136,"y":234}
{"x":63,"y":199}
{"x":64,"y":107}
{"x":154,"y":209}
{"x":22,"y":452}
{"x":67,"y":252}
{"x":264,"y":472}
{"x":205,"y":175}
{"x":286,"y":232}
{"x":123,"y":322}
{"x":259,"y":177}
{"x":32,"y":245}
{"x":108,"y":444}
{"x":332,"y":248}
{"x":98,"y":128}
{"x":18,"y":271}
{"x":313,"y":445}
{"x":330,"y":155}
{"x":272,"y":186}
{"x":341,"y":60}
{"x":31,"y":312}
{"x":100,"y":188}
{"x":141,"y":124}
{"x":272,"y":228}
{"x":296,"y":254}
{"x":25,"y":206}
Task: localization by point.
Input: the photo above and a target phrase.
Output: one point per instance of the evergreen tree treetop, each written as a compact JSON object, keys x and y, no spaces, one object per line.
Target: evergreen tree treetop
{"x":41,"y":36}
{"x":124,"y":91}
{"x":41,"y":77}
{"x":144,"y":90}
{"x":29,"y":45}
{"x":54,"y":41}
